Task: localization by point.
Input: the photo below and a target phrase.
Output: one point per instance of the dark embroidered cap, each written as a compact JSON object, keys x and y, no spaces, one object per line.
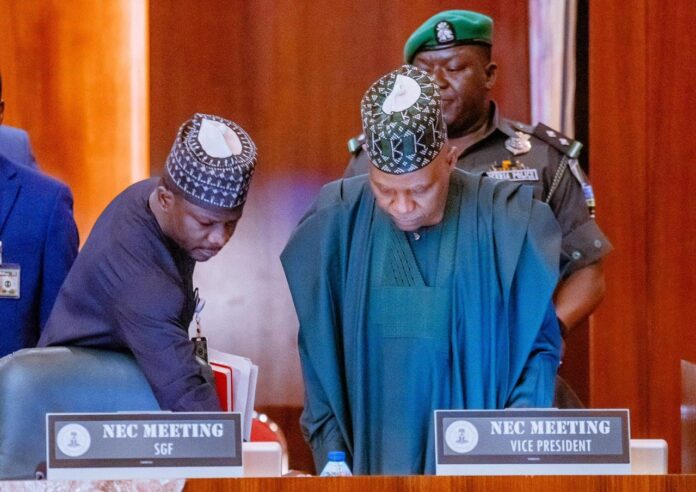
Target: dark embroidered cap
{"x":212,"y":161}
{"x":402,"y":121}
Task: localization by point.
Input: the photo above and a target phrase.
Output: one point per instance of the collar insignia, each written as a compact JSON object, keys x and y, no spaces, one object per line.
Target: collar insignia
{"x":519,"y":144}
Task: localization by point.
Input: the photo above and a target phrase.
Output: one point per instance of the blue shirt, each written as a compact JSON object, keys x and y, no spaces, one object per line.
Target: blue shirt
{"x":131,"y":288}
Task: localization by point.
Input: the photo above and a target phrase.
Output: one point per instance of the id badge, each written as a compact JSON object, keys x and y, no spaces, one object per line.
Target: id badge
{"x":200,"y":343}
{"x":9,"y":281}
{"x":200,"y":348}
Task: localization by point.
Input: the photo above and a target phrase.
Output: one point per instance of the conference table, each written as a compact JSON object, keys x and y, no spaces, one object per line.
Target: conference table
{"x":550,"y":483}
{"x":606,"y":483}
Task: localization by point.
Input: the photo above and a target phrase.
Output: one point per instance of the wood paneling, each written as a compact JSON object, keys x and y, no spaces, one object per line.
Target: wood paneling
{"x":74,"y":76}
{"x":671,"y":203}
{"x":292,"y":74}
{"x":641,"y":104}
{"x":617,"y":109}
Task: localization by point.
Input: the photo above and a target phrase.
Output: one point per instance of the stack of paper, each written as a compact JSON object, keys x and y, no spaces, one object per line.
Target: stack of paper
{"x":235,"y":381}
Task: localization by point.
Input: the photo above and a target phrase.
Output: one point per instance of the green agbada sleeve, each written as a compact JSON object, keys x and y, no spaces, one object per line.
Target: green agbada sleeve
{"x":315,"y":262}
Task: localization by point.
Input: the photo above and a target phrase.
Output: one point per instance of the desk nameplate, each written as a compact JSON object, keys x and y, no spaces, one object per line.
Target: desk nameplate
{"x":534,"y":442}
{"x":143,"y":445}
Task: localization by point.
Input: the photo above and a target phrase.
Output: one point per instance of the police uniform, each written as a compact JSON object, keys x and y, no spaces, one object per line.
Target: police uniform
{"x":539,"y":157}
{"x":503,"y":154}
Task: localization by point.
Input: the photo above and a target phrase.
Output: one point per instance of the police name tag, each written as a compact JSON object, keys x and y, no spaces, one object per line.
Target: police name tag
{"x":532,"y":442}
{"x":515,"y":175}
{"x":107,"y":446}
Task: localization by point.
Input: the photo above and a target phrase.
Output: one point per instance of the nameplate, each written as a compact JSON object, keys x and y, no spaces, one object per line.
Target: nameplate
{"x":532,"y":442}
{"x":515,"y":175}
{"x":106,"y":446}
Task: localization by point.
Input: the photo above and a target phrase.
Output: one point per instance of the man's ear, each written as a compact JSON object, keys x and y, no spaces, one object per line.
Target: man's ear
{"x":491,"y":74}
{"x":452,"y":153}
{"x":165,"y":198}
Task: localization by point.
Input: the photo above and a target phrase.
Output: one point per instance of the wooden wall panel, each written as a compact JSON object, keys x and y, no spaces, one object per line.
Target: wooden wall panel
{"x":74,"y":76}
{"x":641,"y":104}
{"x":671,"y":206}
{"x":619,"y":41}
{"x":293,"y":72}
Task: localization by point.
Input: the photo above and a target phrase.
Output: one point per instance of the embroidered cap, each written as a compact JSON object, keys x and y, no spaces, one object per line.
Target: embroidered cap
{"x":447,"y":29}
{"x":212,"y":161}
{"x":402,"y":121}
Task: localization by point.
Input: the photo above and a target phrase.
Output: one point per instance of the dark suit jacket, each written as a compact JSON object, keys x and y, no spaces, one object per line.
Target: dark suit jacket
{"x":15,"y":146}
{"x":38,"y":232}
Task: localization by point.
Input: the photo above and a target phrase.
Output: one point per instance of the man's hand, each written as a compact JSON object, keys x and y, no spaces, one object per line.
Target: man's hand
{"x":579,"y":295}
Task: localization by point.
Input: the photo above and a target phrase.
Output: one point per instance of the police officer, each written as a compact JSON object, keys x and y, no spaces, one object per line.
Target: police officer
{"x":455,"y":47}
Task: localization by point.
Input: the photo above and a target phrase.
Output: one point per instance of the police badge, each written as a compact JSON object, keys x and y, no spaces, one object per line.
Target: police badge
{"x":519,"y":144}
{"x":444,"y":32}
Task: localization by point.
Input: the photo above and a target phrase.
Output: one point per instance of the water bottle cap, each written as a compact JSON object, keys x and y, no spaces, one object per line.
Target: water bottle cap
{"x":337,"y":456}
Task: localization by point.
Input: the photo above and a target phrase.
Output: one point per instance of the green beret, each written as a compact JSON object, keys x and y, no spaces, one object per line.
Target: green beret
{"x":447,"y":29}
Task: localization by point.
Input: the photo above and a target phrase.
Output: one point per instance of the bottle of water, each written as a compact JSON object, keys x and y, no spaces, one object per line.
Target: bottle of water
{"x":336,"y":466}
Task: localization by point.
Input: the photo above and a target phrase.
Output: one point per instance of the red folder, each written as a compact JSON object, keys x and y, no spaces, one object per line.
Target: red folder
{"x":223,"y":385}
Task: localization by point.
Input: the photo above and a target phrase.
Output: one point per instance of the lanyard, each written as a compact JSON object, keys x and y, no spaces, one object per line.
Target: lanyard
{"x":200,"y":343}
{"x":200,"y":304}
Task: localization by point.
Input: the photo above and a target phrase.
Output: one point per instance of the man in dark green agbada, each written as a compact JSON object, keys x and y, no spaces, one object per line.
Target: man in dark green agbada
{"x":407,"y":302}
{"x":455,"y":47}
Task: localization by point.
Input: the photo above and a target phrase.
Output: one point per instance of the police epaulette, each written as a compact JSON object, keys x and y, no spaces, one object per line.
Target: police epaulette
{"x":565,"y":145}
{"x":518,"y":125}
{"x":355,"y":143}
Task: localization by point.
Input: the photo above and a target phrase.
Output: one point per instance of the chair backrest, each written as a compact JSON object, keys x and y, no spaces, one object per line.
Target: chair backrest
{"x":37,"y":381}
